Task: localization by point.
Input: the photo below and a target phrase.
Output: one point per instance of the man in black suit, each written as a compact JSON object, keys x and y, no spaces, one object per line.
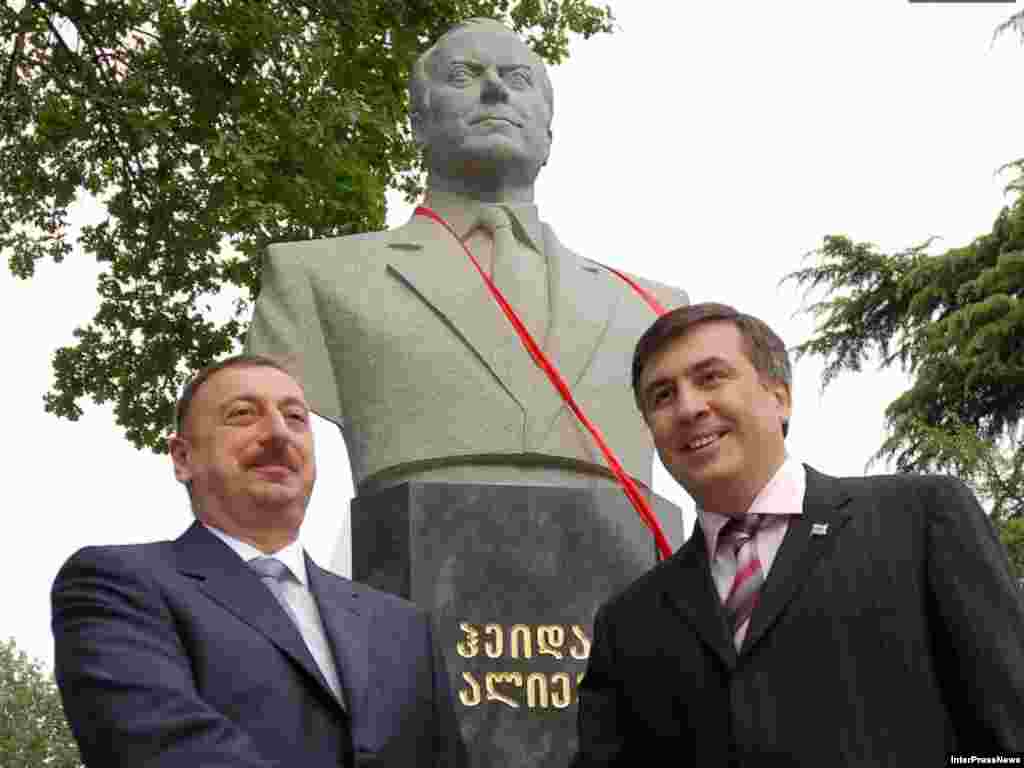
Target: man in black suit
{"x":230,"y":647}
{"x":809,"y":620}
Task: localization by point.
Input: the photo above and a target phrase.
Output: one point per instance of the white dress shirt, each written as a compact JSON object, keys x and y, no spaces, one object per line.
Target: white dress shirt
{"x":300,"y":600}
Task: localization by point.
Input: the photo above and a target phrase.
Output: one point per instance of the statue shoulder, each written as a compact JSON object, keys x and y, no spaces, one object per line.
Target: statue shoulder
{"x":328,"y":250}
{"x":668,"y":296}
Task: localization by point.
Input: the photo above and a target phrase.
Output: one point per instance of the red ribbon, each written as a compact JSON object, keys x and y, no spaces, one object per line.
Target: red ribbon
{"x":647,"y":296}
{"x":628,"y":485}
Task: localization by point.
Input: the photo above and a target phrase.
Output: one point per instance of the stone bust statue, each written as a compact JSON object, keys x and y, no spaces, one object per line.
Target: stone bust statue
{"x":396,"y":336}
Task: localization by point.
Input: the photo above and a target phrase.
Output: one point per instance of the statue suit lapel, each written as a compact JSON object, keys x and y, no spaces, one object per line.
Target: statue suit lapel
{"x":582,"y":308}
{"x":430,"y":261}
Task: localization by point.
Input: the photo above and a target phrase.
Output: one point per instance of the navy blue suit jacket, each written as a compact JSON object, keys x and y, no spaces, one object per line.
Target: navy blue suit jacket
{"x":175,"y":655}
{"x":888,"y":633}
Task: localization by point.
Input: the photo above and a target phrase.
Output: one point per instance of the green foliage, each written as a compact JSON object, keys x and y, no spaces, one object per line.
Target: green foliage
{"x":33,"y":731}
{"x":1011,"y":532}
{"x":207,"y":130}
{"x":956,"y":322}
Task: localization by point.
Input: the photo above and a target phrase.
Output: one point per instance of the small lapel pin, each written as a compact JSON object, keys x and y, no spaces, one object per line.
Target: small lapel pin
{"x":819,"y":529}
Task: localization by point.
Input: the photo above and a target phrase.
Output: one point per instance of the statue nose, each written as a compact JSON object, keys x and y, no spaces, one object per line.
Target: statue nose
{"x":494,"y":88}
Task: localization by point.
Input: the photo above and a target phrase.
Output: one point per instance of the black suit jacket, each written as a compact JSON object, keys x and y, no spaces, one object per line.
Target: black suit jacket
{"x":895,"y":638}
{"x":175,"y":655}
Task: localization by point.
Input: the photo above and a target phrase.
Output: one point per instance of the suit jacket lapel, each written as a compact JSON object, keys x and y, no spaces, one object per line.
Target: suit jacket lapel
{"x":582,"y":307}
{"x":226,"y":579}
{"x":692,"y":594}
{"x":346,"y":619}
{"x":430,"y":261}
{"x":801,"y":549}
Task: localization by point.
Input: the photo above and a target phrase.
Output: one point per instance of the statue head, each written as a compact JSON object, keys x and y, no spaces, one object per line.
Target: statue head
{"x":481,"y":108}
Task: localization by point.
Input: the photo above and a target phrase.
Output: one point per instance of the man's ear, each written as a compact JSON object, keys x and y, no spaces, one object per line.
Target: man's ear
{"x":643,"y":412}
{"x":180,"y":451}
{"x":783,"y":396}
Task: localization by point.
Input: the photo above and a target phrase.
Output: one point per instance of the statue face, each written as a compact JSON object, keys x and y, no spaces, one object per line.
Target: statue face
{"x":486,"y":112}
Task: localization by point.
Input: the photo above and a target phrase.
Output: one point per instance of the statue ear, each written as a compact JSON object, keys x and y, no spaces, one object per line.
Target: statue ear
{"x":547,"y":157}
{"x":416,"y":123}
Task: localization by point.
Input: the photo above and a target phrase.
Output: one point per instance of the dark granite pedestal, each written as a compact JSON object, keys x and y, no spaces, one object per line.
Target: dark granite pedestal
{"x":513,"y":575}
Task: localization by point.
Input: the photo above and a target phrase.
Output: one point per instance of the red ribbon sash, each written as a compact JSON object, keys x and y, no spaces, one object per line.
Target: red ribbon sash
{"x":647,"y":296}
{"x":629,"y":487}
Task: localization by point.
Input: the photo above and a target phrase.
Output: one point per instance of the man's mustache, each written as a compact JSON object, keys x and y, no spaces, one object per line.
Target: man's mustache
{"x":279,"y":457}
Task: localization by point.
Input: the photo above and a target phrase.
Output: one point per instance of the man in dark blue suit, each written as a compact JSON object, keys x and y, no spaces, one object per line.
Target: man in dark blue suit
{"x":230,"y":647}
{"x":809,"y":620}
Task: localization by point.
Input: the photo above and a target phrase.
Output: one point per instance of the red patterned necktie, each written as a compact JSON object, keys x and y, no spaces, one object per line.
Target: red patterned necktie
{"x":738,"y":535}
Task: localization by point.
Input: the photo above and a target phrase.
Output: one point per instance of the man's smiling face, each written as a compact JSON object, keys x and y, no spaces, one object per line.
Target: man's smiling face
{"x":716,"y":421}
{"x":247,"y":453}
{"x":486,"y":108}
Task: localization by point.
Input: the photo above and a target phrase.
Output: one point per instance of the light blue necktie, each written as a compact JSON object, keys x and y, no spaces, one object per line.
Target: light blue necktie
{"x":272,"y":572}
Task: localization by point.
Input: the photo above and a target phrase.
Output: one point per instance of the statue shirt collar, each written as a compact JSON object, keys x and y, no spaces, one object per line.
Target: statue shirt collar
{"x":462,"y":214}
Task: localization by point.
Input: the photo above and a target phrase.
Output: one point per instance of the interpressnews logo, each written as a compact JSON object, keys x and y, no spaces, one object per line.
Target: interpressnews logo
{"x":985,"y":760}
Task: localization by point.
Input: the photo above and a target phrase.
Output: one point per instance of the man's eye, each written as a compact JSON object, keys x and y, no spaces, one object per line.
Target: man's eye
{"x":240,"y":412}
{"x":298,"y":416}
{"x":660,"y":396}
{"x":712,"y":377}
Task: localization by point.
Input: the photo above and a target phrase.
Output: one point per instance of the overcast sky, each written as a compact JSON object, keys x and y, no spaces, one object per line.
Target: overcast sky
{"x":708,"y":146}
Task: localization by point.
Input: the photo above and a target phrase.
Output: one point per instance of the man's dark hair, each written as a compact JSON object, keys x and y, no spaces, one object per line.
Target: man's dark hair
{"x":761,"y":344}
{"x":237,"y":361}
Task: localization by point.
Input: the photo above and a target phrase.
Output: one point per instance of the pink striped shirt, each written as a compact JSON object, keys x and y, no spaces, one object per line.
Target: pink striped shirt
{"x":783,"y":495}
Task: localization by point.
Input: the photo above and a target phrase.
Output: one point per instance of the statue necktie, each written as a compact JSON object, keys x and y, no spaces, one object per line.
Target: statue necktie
{"x":738,"y":537}
{"x":273,"y":573}
{"x":518,"y":271}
